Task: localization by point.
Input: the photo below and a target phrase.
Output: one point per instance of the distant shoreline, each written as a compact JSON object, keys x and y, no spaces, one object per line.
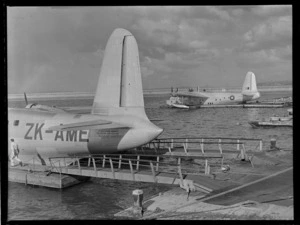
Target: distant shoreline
{"x":163,"y":91}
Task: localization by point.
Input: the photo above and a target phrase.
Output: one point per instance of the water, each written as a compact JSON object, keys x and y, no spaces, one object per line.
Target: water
{"x":101,"y":198}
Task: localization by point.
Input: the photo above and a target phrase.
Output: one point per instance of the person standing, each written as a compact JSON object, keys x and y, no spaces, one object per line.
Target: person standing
{"x":14,"y":155}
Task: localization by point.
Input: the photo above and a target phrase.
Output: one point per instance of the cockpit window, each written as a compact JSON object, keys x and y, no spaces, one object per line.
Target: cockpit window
{"x":16,"y":123}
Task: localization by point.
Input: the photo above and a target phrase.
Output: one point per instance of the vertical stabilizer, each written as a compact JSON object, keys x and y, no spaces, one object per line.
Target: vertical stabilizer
{"x":120,"y":84}
{"x":249,"y":85}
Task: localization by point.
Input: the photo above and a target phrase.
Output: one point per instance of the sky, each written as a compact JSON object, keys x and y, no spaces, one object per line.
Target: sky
{"x":60,"y":49}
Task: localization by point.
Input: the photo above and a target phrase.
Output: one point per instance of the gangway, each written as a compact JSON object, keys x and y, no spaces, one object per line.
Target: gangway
{"x":164,"y":160}
{"x":166,"y":169}
{"x":187,"y":146}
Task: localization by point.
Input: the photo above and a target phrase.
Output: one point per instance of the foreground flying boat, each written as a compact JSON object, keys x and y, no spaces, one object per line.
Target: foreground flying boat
{"x":196,"y":99}
{"x":117,"y":121}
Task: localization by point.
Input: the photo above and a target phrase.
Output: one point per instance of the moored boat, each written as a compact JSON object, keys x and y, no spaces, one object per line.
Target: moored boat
{"x":275,"y":121}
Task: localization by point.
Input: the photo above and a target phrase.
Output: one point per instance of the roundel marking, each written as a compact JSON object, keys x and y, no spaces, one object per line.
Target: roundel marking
{"x":231,"y":97}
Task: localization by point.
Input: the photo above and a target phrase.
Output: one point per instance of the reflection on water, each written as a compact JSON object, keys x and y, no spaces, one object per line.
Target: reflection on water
{"x":101,"y":198}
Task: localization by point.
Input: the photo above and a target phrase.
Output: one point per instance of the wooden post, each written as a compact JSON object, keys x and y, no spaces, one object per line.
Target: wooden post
{"x":206,"y":166}
{"x":112,"y":167}
{"x":138,"y":162}
{"x":202,"y":146}
{"x":172,"y":144}
{"x":103,"y":164}
{"x":131,"y":170}
{"x":238,"y":145}
{"x":120,"y":161}
{"x":153,"y":172}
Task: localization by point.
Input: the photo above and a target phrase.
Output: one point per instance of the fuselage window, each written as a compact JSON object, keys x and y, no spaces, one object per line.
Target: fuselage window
{"x":16,"y":123}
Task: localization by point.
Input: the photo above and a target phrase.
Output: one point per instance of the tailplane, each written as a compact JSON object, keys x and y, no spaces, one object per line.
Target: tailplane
{"x":249,"y":86}
{"x":120,"y":84}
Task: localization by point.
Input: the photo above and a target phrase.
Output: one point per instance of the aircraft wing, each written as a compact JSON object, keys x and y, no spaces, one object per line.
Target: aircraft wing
{"x":94,"y":124}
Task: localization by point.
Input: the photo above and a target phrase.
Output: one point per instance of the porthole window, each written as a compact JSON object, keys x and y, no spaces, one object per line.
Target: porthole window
{"x":16,"y":123}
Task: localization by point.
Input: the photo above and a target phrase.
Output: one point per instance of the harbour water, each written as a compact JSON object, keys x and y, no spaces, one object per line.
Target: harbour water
{"x":101,"y":198}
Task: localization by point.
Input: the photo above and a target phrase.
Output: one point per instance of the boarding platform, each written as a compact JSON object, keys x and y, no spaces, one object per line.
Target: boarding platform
{"x":166,"y":161}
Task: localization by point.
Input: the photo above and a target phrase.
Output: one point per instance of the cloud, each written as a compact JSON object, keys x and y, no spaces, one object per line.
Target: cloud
{"x":266,"y":57}
{"x":266,"y":35}
{"x":272,"y":10}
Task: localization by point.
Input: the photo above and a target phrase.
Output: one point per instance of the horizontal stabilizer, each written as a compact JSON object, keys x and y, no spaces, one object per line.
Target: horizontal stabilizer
{"x":95,"y":124}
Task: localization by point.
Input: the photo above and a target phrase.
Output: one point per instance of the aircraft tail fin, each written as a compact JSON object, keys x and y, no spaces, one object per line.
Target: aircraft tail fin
{"x":120,"y":84}
{"x":249,"y":86}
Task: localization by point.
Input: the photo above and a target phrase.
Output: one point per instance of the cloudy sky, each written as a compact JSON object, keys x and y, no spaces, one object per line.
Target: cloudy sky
{"x":57,"y":49}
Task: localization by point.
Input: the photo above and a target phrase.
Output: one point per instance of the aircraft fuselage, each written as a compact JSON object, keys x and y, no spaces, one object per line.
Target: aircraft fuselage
{"x":30,"y":130}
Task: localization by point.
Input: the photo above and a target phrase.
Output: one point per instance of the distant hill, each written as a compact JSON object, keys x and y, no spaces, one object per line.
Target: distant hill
{"x":275,"y":83}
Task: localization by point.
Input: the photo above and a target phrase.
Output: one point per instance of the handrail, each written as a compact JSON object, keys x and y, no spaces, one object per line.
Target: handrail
{"x":233,"y":138}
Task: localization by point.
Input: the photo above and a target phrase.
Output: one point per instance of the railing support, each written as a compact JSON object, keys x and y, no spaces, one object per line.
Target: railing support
{"x":103,"y":163}
{"x":131,"y":170}
{"x":120,"y":161}
{"x":186,"y":143}
{"x":170,"y":151}
{"x":89,"y":161}
{"x":206,"y":166}
{"x":238,"y":145}
{"x":138,"y":162}
{"x":95,"y":168}
{"x":172,"y":144}
{"x":157,"y":163}
{"x":202,"y":146}
{"x":260,"y":145}
{"x":153,"y":172}
{"x":220,"y":146}
{"x":179,"y":171}
{"x":112,"y":168}
{"x":184,"y":148}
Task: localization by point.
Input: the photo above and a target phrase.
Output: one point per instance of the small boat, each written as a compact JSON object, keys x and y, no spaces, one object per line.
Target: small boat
{"x":176,"y":103}
{"x":275,"y":121}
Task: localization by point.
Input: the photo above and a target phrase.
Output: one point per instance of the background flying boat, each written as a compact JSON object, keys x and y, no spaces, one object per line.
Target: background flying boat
{"x":196,"y":98}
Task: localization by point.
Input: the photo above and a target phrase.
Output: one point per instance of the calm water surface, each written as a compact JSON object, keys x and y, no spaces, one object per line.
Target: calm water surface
{"x":101,"y":198}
